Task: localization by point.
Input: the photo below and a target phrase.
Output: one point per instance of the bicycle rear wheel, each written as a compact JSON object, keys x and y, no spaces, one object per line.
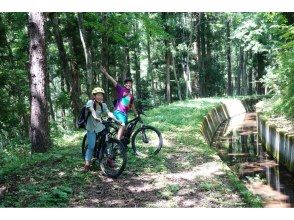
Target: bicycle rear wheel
{"x":114,"y":158}
{"x":147,"y":141}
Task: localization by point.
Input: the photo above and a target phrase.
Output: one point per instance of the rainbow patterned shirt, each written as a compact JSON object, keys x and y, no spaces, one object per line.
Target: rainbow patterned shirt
{"x":125,"y":99}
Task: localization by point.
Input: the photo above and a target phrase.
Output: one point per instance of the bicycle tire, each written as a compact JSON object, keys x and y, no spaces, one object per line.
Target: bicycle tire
{"x":147,"y":147}
{"x":116,"y":152}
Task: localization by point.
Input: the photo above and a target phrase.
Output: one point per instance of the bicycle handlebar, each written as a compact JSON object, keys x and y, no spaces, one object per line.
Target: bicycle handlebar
{"x":110,"y":120}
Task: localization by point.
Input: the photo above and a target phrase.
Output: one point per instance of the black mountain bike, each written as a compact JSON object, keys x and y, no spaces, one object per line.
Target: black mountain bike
{"x":109,"y":152}
{"x":146,"y":140}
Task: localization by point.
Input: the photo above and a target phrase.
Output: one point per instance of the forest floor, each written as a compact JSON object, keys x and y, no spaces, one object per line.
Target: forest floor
{"x":186,"y":172}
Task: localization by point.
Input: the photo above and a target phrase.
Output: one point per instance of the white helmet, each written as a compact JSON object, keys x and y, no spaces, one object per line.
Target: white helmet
{"x":96,"y":90}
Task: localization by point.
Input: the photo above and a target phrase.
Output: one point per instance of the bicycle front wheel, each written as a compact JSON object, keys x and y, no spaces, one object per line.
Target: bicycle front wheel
{"x":147,"y":141}
{"x":114,"y":158}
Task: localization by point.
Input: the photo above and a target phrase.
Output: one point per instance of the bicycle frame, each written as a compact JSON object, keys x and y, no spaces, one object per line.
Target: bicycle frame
{"x":130,"y":127}
{"x":102,"y":139}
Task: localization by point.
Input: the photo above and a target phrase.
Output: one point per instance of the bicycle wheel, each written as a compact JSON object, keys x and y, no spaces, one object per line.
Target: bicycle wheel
{"x":114,"y":158}
{"x":147,"y":141}
{"x":84,"y":146}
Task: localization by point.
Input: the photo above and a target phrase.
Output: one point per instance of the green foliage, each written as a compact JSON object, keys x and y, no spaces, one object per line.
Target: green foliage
{"x":257,"y":31}
{"x":281,"y":79}
{"x":14,"y":93}
{"x":57,"y":197}
{"x":63,"y":100}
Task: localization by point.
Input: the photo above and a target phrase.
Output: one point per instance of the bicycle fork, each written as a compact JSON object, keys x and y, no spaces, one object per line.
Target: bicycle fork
{"x":144,"y":136}
{"x":109,"y":150}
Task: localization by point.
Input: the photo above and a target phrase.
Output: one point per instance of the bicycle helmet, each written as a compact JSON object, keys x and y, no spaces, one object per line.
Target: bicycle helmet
{"x":96,"y":90}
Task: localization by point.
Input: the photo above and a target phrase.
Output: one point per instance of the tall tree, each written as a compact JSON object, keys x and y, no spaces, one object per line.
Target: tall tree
{"x":199,"y":54}
{"x":176,"y":77}
{"x":260,"y":57}
{"x":39,"y":128}
{"x":203,"y":54}
{"x":250,"y":72}
{"x":105,"y":51}
{"x":186,"y":63}
{"x":150,"y":73}
{"x":244,"y":75}
{"x":240,"y":70}
{"x":69,"y":72}
{"x":167,"y":60}
{"x":87,"y":52}
{"x":229,"y":65}
{"x":167,"y":71}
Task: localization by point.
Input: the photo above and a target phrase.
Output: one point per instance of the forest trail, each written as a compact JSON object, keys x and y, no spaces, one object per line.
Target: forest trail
{"x":183,"y":174}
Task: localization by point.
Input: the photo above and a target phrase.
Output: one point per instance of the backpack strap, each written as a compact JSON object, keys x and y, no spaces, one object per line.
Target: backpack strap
{"x":94,"y":104}
{"x":100,"y":104}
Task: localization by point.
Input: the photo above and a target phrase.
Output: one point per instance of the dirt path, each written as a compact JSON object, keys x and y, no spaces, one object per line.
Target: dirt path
{"x":203,"y":183}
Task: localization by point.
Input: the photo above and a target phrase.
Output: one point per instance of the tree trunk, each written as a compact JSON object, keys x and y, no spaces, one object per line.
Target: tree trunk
{"x":76,"y":88}
{"x":88,"y":54}
{"x":105,"y":56}
{"x":137,"y":72}
{"x":188,"y":72}
{"x":50,"y":104}
{"x":176,"y":78}
{"x":260,"y":73}
{"x":208,"y":58}
{"x":167,"y":61}
{"x":61,"y":50}
{"x":75,"y":95}
{"x":137,"y":66}
{"x":250,"y":91}
{"x":198,"y":53}
{"x":229,"y":65}
{"x":240,"y":70}
{"x":244,"y":75}
{"x":128,"y":63}
{"x":150,"y":68}
{"x":195,"y":87}
{"x":167,"y":70}
{"x":203,"y":54}
{"x":137,"y":52}
{"x":71,"y":78}
{"x":65,"y":75}
{"x":39,"y":128}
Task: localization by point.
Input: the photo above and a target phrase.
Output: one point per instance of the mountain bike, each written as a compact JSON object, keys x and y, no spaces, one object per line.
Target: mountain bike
{"x":146,"y":140}
{"x":109,"y":152}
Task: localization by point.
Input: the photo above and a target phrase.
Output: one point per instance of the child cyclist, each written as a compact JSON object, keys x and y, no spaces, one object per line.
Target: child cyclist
{"x":94,"y":125}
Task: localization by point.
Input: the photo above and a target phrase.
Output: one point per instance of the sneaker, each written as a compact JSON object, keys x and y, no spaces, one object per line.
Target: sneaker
{"x":110,"y":163}
{"x":86,"y":168}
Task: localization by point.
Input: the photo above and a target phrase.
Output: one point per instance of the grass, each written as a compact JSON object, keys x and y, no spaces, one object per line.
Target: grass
{"x":185,"y":171}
